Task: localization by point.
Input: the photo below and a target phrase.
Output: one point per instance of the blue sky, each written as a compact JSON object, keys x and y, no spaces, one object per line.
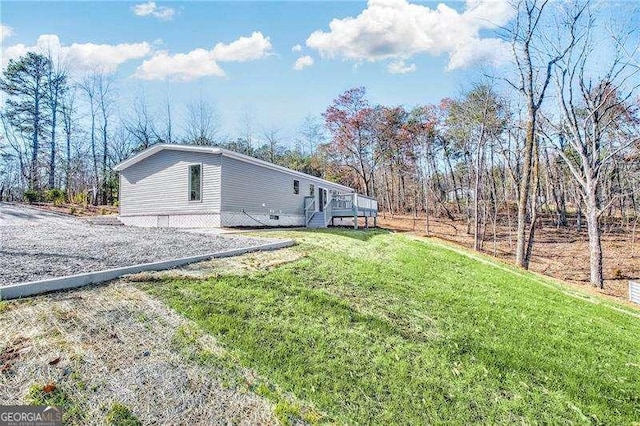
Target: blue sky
{"x":259,"y":74}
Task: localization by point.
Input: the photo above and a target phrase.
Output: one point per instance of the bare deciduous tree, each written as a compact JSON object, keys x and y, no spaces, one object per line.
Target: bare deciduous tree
{"x":203,"y":123}
{"x":141,"y":125}
{"x":535,"y":58}
{"x":598,"y":122}
{"x":272,"y":140}
{"x":56,"y":88}
{"x":105,"y":86}
{"x":69,"y":118}
{"x":89,"y":86}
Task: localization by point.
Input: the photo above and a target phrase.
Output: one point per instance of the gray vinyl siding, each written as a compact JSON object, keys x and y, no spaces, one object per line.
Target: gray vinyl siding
{"x":160,"y":184}
{"x":258,"y":189}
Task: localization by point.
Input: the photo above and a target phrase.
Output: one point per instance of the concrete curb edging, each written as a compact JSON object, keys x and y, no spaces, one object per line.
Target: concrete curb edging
{"x":33,"y":288}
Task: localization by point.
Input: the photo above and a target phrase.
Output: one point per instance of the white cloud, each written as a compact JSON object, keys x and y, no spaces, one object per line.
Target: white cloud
{"x":202,"y":62}
{"x":397,"y":29}
{"x":182,"y":66}
{"x":152,"y":9}
{"x":303,"y":62}
{"x":243,"y":49}
{"x":490,"y":50}
{"x":400,"y":67}
{"x":5,"y":32}
{"x":296,"y":48}
{"x":81,"y":56}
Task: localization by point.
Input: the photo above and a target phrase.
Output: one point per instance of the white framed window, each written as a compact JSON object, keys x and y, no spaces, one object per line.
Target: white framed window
{"x":296,"y":187}
{"x":195,"y":182}
{"x":312,"y":190}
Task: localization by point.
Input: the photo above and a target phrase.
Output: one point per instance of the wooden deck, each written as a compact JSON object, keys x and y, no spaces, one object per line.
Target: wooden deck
{"x":344,"y":206}
{"x":350,"y":205}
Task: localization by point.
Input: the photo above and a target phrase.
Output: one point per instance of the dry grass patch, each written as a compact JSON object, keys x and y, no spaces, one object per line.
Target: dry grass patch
{"x":236,"y":265}
{"x":112,"y":352}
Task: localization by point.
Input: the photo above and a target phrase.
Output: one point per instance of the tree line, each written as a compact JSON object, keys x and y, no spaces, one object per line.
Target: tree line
{"x":552,"y":137}
{"x":62,"y":132}
{"x":556,"y":134}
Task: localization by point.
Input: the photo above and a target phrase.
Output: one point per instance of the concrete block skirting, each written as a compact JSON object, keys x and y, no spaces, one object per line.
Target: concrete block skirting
{"x":169,"y":220}
{"x":232,"y":219}
{"x":15,"y":291}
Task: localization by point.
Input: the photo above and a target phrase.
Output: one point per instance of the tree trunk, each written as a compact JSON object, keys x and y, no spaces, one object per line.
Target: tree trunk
{"x":95,"y":157}
{"x":535,"y":178}
{"x":595,"y":243}
{"x":476,"y":201}
{"x":33,"y":178}
{"x":68,"y":171}
{"x":579,"y":216}
{"x":52,"y":157}
{"x":105,"y":181}
{"x":453,"y":180}
{"x":523,"y":196}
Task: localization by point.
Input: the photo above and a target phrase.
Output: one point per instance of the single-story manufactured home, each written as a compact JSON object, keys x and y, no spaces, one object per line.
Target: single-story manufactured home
{"x":195,"y":186}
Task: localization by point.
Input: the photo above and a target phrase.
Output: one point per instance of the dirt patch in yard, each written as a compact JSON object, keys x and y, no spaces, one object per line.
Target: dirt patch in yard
{"x":108,"y":347}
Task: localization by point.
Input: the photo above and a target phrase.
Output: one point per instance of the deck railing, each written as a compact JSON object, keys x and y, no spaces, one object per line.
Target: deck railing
{"x":328,"y":211}
{"x":365,"y":203}
{"x":309,"y":208}
{"x":342,"y":201}
{"x":340,"y":205}
{"x":354,"y":202}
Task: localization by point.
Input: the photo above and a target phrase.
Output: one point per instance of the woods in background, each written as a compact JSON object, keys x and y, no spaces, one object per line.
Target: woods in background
{"x":554,"y":137}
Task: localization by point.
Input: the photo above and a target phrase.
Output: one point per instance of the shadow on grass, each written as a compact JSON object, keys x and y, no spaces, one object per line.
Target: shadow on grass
{"x":358,"y":234}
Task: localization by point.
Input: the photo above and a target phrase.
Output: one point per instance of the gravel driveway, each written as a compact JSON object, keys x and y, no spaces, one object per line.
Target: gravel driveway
{"x":36,"y":245}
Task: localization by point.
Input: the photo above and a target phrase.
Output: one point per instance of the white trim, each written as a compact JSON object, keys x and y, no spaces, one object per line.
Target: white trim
{"x":231,"y":154}
{"x":171,"y":213}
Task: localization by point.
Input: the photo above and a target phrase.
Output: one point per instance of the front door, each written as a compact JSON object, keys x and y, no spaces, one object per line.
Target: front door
{"x":322,"y":195}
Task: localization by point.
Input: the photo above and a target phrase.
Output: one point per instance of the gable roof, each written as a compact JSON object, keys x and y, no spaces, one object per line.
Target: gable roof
{"x":227,"y":153}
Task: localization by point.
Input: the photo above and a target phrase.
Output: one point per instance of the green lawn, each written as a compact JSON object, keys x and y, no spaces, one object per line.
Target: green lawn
{"x":369,"y":327}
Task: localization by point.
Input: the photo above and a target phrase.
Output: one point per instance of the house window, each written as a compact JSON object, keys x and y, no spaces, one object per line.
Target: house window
{"x":312,"y":190}
{"x":195,"y":182}
{"x":296,"y":186}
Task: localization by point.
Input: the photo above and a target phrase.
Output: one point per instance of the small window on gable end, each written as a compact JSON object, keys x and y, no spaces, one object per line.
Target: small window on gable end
{"x":195,"y":182}
{"x":296,"y":186}
{"x":312,"y":190}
